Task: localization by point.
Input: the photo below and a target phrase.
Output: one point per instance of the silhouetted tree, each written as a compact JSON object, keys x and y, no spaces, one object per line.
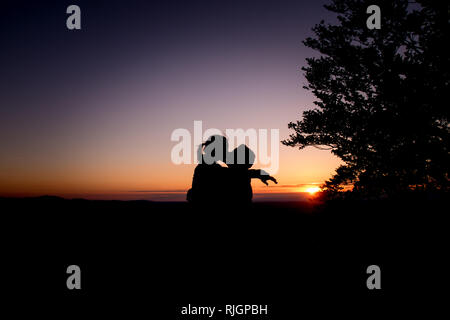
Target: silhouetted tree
{"x":381,"y":94}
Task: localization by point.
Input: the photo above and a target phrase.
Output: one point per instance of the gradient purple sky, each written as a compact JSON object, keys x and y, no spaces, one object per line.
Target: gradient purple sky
{"x":89,"y":113}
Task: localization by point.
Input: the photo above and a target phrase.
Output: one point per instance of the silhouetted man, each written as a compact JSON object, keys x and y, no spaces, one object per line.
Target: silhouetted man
{"x":238,"y":180}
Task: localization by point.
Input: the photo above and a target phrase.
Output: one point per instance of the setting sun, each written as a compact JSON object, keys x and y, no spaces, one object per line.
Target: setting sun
{"x":313,"y":190}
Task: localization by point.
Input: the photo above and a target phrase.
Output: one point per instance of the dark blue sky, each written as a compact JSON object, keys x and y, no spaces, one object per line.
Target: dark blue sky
{"x":36,"y":43}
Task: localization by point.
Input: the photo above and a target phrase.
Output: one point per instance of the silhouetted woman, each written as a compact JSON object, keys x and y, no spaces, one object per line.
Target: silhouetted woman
{"x":208,"y":175}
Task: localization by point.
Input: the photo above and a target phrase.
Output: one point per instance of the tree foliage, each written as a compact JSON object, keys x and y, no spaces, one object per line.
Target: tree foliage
{"x":381,"y":97}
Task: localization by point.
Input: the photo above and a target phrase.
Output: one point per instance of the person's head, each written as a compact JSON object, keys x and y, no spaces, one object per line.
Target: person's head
{"x":242,"y":158}
{"x":215,"y":149}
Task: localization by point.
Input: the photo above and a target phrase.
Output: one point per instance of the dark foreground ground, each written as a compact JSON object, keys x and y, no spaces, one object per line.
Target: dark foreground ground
{"x":147,"y":260}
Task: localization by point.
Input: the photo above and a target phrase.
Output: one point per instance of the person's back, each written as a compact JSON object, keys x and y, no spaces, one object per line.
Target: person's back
{"x":239,"y":187}
{"x":205,"y":187}
{"x":208,"y":175}
{"x":239,"y":177}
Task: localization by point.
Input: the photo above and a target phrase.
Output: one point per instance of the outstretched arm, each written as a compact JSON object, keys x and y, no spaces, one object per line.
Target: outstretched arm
{"x":262,"y":175}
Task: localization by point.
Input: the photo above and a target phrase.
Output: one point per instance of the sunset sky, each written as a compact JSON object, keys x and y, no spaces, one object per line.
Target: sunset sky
{"x":89,"y":113}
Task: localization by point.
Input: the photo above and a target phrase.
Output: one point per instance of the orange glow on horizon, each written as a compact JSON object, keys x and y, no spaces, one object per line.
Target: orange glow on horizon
{"x":140,"y":174}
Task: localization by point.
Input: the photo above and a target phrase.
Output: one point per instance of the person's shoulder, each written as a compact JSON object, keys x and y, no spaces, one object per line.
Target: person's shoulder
{"x":203,"y":167}
{"x":198,"y":169}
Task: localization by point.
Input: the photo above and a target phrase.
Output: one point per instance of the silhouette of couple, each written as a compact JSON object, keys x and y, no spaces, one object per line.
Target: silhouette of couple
{"x":227,"y":186}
